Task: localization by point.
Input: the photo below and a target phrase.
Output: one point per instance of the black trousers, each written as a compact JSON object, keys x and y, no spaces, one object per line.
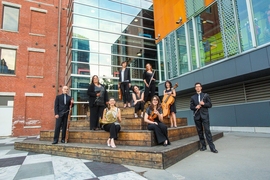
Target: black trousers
{"x":160,"y":131}
{"x":113,"y":129}
{"x":152,"y":89}
{"x":139,"y":106}
{"x":125,"y":91}
{"x":204,"y":124}
{"x":96,"y":112}
{"x":60,"y":122}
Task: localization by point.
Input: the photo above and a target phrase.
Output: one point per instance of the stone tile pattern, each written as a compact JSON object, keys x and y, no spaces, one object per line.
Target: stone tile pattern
{"x":27,"y":165}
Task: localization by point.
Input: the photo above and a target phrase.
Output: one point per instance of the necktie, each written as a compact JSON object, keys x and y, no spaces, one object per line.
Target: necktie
{"x":199,"y":99}
{"x":65,"y":99}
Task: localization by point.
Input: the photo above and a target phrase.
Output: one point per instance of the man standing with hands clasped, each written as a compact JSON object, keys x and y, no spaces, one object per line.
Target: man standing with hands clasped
{"x":61,"y":110}
{"x":199,"y":103}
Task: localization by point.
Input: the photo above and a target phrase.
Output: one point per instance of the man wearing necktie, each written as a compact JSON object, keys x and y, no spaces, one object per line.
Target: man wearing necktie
{"x":199,"y":104}
{"x":61,"y":111}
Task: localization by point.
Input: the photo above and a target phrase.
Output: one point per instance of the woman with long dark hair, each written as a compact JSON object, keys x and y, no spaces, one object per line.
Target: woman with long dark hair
{"x":154,"y":117}
{"x":138,"y":99}
{"x":170,"y":91}
{"x":98,"y":98}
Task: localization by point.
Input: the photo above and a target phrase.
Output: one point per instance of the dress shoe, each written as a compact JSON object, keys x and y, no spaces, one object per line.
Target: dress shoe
{"x":203,"y":148}
{"x":62,"y":141}
{"x":165,"y":143}
{"x":214,"y":151}
{"x":54,"y":142}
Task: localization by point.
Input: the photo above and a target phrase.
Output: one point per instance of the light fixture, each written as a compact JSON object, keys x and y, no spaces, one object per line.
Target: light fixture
{"x":157,"y":37}
{"x":179,"y":20}
{"x":136,"y":20}
{"x":208,"y":21}
{"x":139,"y":53}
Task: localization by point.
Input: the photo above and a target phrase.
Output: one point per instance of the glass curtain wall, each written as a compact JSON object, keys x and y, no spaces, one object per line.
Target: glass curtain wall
{"x":102,"y":34}
{"x":182,"y":50}
{"x":224,"y":29}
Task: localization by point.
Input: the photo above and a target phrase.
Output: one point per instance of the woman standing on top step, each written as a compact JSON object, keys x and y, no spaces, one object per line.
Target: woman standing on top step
{"x":154,"y":117}
{"x":124,"y":83}
{"x":111,"y":122}
{"x":138,"y":98}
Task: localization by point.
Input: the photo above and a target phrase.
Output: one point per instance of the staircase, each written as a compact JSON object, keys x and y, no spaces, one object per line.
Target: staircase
{"x":135,"y":145}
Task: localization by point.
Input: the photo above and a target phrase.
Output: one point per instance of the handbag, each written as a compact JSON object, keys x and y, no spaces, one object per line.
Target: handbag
{"x":99,"y":102}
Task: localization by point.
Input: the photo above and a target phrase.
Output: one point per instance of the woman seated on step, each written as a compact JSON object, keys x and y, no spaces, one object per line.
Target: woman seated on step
{"x":154,"y":117}
{"x":111,"y":122}
{"x":138,"y":99}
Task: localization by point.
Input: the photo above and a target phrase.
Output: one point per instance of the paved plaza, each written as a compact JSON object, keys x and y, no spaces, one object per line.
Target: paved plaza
{"x":241,"y":156}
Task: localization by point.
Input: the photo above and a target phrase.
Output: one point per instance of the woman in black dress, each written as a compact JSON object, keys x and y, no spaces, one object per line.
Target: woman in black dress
{"x":138,"y":98}
{"x":170,"y":91}
{"x":154,"y":117}
{"x":149,"y":81}
{"x":98,"y":99}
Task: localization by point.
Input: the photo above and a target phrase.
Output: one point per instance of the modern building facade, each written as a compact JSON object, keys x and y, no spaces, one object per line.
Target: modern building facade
{"x":46,"y":44}
{"x":225,"y":45}
{"x":100,"y":35}
{"x":32,"y":70}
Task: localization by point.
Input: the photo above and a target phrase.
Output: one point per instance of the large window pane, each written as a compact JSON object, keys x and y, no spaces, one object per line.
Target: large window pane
{"x":246,"y":41}
{"x":109,"y":15}
{"x":210,"y":40}
{"x":85,"y":33}
{"x":10,"y":18}
{"x":109,"y":4}
{"x":161,"y":61}
{"x":8,"y":60}
{"x":87,"y":22}
{"x":85,"y":10}
{"x":261,"y":20}
{"x":110,"y":26}
{"x":79,"y":68}
{"x":182,"y":50}
{"x":192,"y":45}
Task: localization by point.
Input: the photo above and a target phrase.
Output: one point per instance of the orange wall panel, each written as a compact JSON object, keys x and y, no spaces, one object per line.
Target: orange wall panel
{"x":208,"y":2}
{"x":167,"y":12}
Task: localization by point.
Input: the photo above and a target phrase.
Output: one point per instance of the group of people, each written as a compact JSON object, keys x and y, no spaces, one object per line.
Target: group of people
{"x":103,"y":111}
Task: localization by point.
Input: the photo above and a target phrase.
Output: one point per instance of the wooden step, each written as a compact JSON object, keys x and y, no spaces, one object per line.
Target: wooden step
{"x":126,"y":137}
{"x":158,"y":157}
{"x":128,"y":123}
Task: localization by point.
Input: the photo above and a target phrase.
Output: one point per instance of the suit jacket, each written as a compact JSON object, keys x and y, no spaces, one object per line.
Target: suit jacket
{"x":59,"y":107}
{"x":203,"y":111}
{"x":93,"y":95}
{"x":126,"y":75}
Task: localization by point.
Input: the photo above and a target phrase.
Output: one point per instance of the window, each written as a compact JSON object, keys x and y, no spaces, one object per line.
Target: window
{"x":8,"y":59}
{"x":10,"y":18}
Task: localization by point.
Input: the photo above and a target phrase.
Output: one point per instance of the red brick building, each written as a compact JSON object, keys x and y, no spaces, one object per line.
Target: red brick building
{"x":32,"y":71}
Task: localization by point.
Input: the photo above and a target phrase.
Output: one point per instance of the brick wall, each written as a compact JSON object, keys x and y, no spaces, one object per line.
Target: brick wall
{"x":36,"y":71}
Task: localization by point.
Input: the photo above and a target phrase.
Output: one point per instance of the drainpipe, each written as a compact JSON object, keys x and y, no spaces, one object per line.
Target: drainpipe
{"x":58,"y":46}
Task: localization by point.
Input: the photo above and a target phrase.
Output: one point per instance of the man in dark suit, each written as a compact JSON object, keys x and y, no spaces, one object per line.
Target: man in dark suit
{"x":61,"y":111}
{"x":199,"y":103}
{"x":124,"y":83}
